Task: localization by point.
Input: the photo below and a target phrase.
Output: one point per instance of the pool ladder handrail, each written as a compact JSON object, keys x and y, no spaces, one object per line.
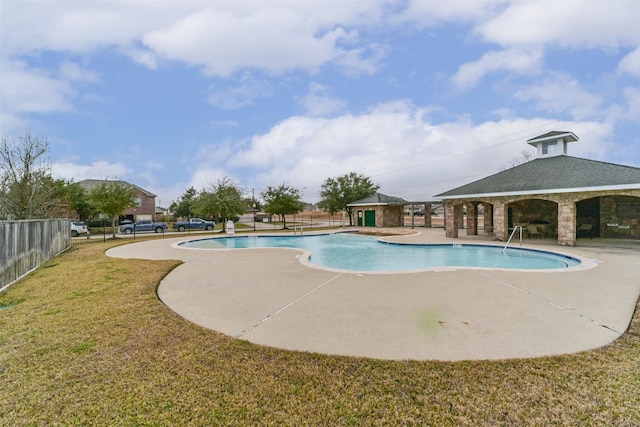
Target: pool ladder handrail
{"x":510,"y":237}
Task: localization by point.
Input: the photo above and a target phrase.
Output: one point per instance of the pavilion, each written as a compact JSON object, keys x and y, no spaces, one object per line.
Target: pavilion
{"x":555,"y":195}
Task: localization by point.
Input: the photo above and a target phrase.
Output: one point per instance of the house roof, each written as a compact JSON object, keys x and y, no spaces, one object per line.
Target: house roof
{"x":559,"y":174}
{"x":379,"y":199}
{"x":555,"y":134}
{"x":90,"y":184}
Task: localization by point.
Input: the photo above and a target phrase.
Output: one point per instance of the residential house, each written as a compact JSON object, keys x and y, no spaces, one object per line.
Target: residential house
{"x":145,"y":201}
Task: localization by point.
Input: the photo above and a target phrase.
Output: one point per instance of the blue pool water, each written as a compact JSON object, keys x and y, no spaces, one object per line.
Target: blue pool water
{"x":352,"y":252}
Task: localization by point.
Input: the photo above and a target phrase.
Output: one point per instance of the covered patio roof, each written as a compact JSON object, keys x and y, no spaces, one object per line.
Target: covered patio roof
{"x":379,"y":199}
{"x":559,"y":174}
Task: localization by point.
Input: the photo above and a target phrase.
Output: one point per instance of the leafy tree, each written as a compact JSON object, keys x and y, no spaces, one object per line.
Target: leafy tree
{"x":253,"y":203}
{"x":183,"y":207}
{"x":27,"y":189}
{"x":221,"y":200}
{"x":282,"y":200}
{"x":77,"y":199}
{"x":112,"y":198}
{"x":338,"y":192}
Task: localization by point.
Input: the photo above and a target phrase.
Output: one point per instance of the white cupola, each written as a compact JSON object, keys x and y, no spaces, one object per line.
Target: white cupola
{"x":553,"y":143}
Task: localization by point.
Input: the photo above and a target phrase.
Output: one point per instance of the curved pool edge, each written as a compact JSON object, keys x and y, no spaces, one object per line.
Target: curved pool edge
{"x":483,"y":318}
{"x":304,"y":258}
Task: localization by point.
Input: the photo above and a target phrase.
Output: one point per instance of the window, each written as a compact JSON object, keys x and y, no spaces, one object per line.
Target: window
{"x":549,"y":147}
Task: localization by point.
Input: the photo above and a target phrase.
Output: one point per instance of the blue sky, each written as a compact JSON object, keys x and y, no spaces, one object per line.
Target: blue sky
{"x":422,"y":96}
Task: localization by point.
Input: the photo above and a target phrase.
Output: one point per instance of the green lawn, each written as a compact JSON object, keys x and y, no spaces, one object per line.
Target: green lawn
{"x":84,"y":340}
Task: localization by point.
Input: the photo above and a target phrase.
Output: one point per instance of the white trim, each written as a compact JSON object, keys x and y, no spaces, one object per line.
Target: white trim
{"x":541,"y":138}
{"x":546,"y":191}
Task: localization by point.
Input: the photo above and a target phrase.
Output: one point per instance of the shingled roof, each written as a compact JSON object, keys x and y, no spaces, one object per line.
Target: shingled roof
{"x":557,"y":174}
{"x":379,"y":199}
{"x":569,"y":136}
{"x":90,"y":184}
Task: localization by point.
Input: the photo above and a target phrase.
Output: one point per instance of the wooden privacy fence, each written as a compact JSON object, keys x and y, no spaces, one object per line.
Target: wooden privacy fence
{"x":24,"y":245}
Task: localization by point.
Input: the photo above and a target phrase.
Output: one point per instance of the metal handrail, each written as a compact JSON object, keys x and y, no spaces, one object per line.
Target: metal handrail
{"x":510,"y":237}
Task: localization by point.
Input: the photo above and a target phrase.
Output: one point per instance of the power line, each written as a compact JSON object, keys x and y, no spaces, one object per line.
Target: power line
{"x":512,"y":139}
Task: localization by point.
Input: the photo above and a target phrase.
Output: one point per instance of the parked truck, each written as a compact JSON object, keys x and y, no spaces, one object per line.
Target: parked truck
{"x":194,"y":224}
{"x":142,"y":226}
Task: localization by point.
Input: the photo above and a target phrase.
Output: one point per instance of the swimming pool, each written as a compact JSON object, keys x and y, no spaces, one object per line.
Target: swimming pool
{"x":351,"y":252}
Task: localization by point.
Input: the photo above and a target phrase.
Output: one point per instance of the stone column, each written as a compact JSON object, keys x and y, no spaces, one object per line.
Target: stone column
{"x":450,"y":223}
{"x":472,"y":219}
{"x":488,"y":218}
{"x":500,"y":223}
{"x":427,"y":215}
{"x":459,"y":216}
{"x":567,"y":223}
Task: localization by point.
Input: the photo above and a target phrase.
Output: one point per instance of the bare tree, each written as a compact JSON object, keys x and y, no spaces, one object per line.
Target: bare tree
{"x":26,"y":187}
{"x":524,"y":157}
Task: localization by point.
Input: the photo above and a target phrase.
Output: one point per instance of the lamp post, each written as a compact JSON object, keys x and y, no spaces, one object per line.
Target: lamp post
{"x":254,"y":217}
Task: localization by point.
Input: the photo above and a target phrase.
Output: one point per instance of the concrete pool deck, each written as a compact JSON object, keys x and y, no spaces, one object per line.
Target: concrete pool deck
{"x":268,"y":297}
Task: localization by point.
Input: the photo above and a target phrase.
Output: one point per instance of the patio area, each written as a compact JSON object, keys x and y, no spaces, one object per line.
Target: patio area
{"x":268,"y":297}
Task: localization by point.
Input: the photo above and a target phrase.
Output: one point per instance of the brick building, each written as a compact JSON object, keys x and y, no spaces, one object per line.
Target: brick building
{"x":554,"y":195}
{"x":145,"y":201}
{"x":379,"y":210}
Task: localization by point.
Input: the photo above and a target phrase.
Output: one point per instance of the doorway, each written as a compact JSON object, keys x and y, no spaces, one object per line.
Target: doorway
{"x":369,"y":218}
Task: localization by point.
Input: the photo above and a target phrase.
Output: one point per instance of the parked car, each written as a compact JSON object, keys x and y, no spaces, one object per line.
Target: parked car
{"x":78,"y":228}
{"x":419,"y":212}
{"x":142,"y":226}
{"x":194,"y":223}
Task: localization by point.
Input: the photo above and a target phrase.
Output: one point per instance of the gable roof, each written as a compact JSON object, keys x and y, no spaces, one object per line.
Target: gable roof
{"x":559,"y":174}
{"x":554,"y":134}
{"x":379,"y":199}
{"x":90,"y":184}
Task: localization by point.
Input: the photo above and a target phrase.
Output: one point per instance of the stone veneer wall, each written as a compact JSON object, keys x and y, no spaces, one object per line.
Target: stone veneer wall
{"x":620,"y":217}
{"x":525,"y":211}
{"x":390,"y":216}
{"x":386,"y":216}
{"x":613,"y":203}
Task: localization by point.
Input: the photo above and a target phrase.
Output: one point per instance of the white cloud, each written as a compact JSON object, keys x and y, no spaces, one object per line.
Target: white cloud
{"x":234,"y":97}
{"x":26,"y":90}
{"x":11,"y":123}
{"x":431,"y":13}
{"x":142,"y":57}
{"x":96,"y":170}
{"x":73,"y":72}
{"x":630,"y":64}
{"x":398,"y":147}
{"x":632,"y":97}
{"x":319,"y":101}
{"x":205,"y":175}
{"x":559,"y":94}
{"x":31,"y":90}
{"x":272,"y":38}
{"x":395,"y":142}
{"x":518,"y":61}
{"x":80,"y":27}
{"x":584,"y":24}
{"x":219,"y":37}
